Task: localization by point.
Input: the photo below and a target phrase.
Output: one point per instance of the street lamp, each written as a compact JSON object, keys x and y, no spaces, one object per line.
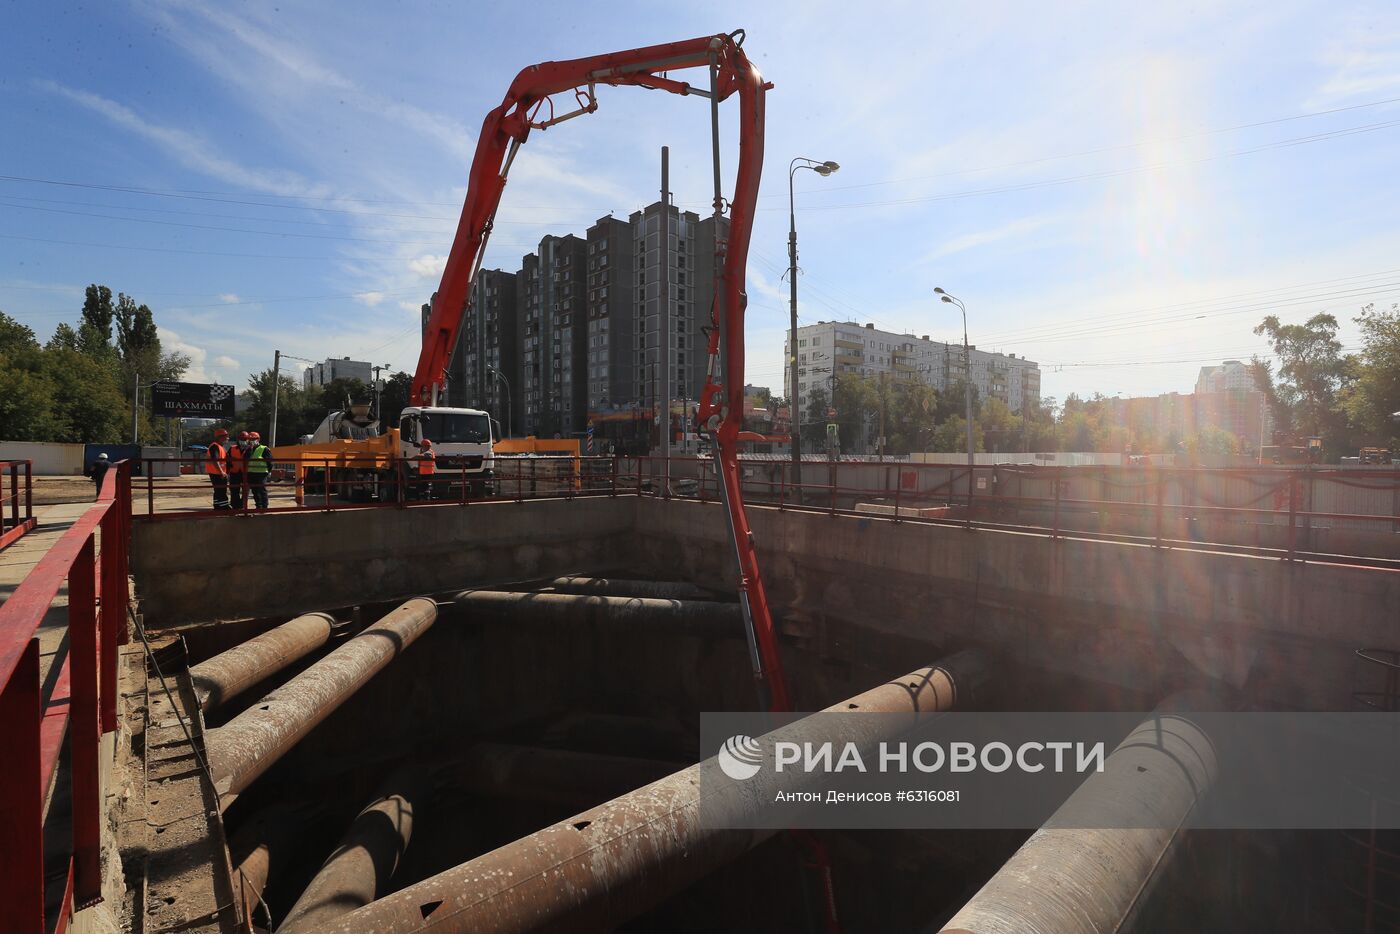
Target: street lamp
{"x":967,"y":377}
{"x":823,"y":169}
{"x":510,"y":428}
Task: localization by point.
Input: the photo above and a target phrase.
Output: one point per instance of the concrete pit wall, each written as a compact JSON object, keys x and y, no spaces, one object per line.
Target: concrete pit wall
{"x":1136,"y":621}
{"x":1122,"y":624}
{"x":202,"y":569}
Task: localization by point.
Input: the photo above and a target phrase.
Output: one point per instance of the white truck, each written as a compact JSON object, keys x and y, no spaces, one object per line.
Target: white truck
{"x":364,"y":464}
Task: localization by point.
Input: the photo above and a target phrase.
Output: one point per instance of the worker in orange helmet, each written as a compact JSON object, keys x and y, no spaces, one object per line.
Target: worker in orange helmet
{"x":427,"y":466}
{"x":237,"y":477}
{"x":216,"y":463}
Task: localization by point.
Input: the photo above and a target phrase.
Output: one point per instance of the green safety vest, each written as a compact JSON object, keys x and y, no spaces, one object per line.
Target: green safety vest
{"x":257,"y":460}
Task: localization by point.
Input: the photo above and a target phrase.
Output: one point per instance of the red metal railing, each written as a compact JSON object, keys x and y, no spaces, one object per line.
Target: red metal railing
{"x":1265,"y":502}
{"x":1269,"y":509}
{"x":16,"y":500}
{"x":82,"y":703}
{"x":345,"y":483}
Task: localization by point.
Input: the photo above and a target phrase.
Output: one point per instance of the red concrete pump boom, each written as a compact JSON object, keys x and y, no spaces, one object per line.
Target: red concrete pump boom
{"x":528,"y":105}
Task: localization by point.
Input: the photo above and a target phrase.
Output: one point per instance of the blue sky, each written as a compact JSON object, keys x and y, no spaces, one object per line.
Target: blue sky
{"x":1117,"y":191}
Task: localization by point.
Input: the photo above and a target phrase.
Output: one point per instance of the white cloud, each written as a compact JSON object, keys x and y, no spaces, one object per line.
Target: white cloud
{"x":233,"y":64}
{"x":1009,"y":231}
{"x":372,"y":299}
{"x":172,"y":341}
{"x":412,"y":307}
{"x":1365,"y":63}
{"x":188,"y":148}
{"x":230,"y":298}
{"x":428,"y":266}
{"x":225,"y":362}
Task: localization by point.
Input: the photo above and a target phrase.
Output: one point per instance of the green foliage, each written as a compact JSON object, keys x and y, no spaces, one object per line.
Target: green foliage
{"x":78,"y":386}
{"x":1311,"y":370}
{"x":398,"y":389}
{"x":1216,"y":442}
{"x":1374,"y":395}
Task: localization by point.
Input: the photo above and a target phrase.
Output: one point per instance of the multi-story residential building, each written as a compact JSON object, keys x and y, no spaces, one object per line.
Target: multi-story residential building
{"x":318,"y":374}
{"x":1232,"y":374}
{"x":611,"y":341}
{"x":667,"y":293}
{"x":552,"y":309}
{"x":487,"y":344}
{"x":828,"y":349}
{"x":581,"y":338}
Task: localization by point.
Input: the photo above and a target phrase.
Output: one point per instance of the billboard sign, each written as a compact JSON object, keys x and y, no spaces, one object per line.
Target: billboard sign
{"x":191,"y":400}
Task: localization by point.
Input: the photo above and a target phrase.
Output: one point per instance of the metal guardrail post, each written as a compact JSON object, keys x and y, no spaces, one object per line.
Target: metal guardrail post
{"x":28,"y":490}
{"x":613,"y":489}
{"x":1056,"y":479}
{"x":84,"y":731}
{"x":1161,"y":489}
{"x":14,"y":496}
{"x":782,"y":486}
{"x":898,"y":486}
{"x":22,"y":795}
{"x":150,"y":490}
{"x":112,"y":616}
{"x":1292,"y":515}
{"x":831,"y":478}
{"x":971,"y":484}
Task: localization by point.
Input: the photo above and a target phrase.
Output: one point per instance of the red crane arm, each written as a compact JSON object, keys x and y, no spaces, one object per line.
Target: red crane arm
{"x":721,"y":401}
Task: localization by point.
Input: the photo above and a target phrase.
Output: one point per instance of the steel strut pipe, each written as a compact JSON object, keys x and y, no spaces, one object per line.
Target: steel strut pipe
{"x":1088,"y":868}
{"x":610,"y":863}
{"x":228,"y":674}
{"x":249,"y":744}
{"x":619,"y":587}
{"x":361,"y":866}
{"x":686,"y":616}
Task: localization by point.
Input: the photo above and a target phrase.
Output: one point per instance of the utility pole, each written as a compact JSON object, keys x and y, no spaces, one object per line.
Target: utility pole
{"x":135,"y":401}
{"x":664,"y":428}
{"x":881,"y":454}
{"x":276,"y":383}
{"x":794,"y":404}
{"x":967,"y":382}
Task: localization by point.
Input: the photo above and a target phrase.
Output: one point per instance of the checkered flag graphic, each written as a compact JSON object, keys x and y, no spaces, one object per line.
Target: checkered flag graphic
{"x":219,"y":393}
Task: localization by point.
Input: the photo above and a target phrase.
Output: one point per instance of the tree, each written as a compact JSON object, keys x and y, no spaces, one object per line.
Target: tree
{"x":398,"y":389}
{"x":1216,"y":442}
{"x":1311,"y":371}
{"x":1000,"y":425}
{"x":1374,"y":396}
{"x":1262,"y":371}
{"x":951,"y":436}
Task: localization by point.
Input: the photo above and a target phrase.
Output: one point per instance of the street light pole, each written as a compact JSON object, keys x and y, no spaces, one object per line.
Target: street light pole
{"x":794,"y":404}
{"x":510,"y":427}
{"x":967,"y":377}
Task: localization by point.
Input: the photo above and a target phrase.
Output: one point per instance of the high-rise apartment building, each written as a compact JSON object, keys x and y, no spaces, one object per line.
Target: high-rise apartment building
{"x":552,"y":309}
{"x":487,"y":344}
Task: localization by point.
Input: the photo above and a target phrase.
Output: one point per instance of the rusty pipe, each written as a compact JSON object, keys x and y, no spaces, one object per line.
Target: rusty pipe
{"x":250,"y":743}
{"x":1088,"y":868}
{"x":619,"y":587}
{"x":228,"y":674}
{"x":605,"y":865}
{"x":359,"y":869}
{"x":683,"y":616}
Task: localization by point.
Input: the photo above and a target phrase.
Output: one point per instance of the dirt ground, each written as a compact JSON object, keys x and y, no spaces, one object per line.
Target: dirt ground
{"x":168,"y":493}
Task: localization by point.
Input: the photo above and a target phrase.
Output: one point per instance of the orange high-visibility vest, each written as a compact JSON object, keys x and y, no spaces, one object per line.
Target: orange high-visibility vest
{"x":235,"y":459}
{"x":217,"y":454}
{"x":427,"y":464}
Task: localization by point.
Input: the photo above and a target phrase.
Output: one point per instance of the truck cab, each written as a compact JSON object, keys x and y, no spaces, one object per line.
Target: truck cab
{"x":462,"y":439}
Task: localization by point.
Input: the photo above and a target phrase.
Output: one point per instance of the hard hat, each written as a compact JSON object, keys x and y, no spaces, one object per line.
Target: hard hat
{"x":243,"y":436}
{"x":221,"y":433}
{"x":254,"y":436}
{"x":427,"y":443}
{"x":102,"y":456}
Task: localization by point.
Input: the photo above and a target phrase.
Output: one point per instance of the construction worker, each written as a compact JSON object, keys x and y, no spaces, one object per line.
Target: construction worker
{"x":237,"y":477}
{"x":217,"y":465}
{"x":427,"y":466}
{"x":99,"y":470}
{"x":259,"y":464}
